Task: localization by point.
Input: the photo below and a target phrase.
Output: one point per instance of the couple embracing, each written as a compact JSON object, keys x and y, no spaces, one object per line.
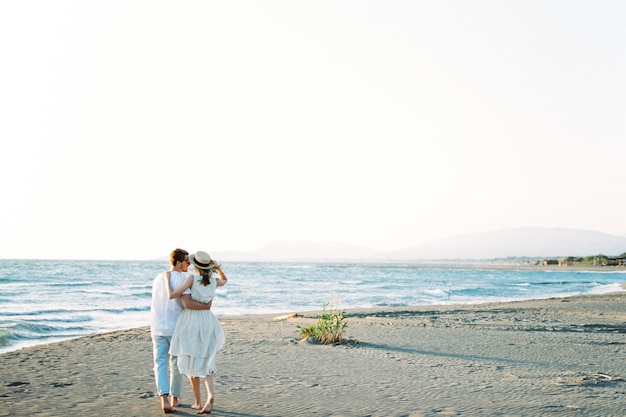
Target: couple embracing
{"x":186,"y":335}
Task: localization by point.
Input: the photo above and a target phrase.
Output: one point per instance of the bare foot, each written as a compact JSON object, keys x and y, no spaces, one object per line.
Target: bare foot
{"x":208,"y":407}
{"x":176,"y":402}
{"x":165,"y":405}
{"x":196,"y":406}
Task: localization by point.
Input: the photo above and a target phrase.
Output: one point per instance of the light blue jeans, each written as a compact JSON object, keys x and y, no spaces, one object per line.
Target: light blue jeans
{"x":168,"y":378}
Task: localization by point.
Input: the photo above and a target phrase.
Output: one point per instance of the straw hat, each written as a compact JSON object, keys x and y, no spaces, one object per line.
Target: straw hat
{"x":201,"y":260}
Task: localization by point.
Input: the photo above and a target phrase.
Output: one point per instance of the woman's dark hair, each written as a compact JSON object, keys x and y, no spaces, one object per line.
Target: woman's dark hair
{"x":206,"y":276}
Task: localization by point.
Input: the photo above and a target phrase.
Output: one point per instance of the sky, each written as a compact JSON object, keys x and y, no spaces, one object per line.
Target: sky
{"x":129,"y":128}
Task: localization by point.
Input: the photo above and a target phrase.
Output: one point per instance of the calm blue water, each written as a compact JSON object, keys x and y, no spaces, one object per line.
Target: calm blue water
{"x":43,"y":301}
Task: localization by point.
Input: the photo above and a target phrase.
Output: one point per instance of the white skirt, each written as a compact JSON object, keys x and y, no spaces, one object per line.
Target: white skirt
{"x":197,"y":338}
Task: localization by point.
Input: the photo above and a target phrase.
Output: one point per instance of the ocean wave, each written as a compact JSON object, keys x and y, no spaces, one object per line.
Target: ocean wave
{"x":70,"y":284}
{"x":7,"y":337}
{"x":16,"y":331}
{"x":607,"y":288}
{"x":79,"y":319}
{"x":58,"y":315}
{"x":147,"y":287}
{"x":125,"y":310}
{"x":25,"y":313}
{"x":437,"y":291}
{"x":561,"y":282}
{"x":608,"y":271}
{"x":142,"y":294}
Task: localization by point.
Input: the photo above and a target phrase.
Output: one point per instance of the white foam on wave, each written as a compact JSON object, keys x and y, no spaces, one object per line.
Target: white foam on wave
{"x":607,"y":288}
{"x":436,"y":291}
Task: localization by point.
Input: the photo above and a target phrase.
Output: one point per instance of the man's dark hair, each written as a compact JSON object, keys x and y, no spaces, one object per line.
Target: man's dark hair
{"x":178,"y":255}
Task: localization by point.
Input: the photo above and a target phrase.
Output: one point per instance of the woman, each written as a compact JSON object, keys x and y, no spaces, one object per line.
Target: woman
{"x":198,"y":334}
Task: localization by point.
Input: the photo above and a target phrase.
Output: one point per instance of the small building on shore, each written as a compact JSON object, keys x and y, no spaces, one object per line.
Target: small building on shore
{"x":616,"y":261}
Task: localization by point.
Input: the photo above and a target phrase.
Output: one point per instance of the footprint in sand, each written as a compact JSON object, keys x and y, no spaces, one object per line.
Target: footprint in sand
{"x":17,"y":384}
{"x":446,"y":411}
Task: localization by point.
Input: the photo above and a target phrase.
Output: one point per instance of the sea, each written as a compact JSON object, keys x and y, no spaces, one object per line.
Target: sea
{"x":44,"y":301}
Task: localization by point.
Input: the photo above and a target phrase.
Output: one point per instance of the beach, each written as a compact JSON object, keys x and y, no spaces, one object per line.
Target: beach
{"x":557,"y":356}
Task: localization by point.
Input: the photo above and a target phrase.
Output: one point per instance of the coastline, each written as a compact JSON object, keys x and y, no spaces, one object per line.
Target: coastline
{"x":557,"y":356}
{"x":488,"y":265}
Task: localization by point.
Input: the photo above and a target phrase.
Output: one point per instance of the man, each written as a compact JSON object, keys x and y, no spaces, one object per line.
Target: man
{"x":163,"y":315}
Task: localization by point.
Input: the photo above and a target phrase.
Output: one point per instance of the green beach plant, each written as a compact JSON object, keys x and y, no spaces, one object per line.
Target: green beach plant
{"x":329,"y":328}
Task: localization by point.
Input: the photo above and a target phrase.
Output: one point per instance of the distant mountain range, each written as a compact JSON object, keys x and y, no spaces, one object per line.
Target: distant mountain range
{"x":505,"y":243}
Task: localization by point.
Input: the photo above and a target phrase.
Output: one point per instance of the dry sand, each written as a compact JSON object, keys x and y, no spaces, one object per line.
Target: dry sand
{"x":556,"y":357}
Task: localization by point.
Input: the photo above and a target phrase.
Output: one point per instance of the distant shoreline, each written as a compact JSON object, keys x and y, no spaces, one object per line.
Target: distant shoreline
{"x":486,"y":265}
{"x":530,"y":267}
